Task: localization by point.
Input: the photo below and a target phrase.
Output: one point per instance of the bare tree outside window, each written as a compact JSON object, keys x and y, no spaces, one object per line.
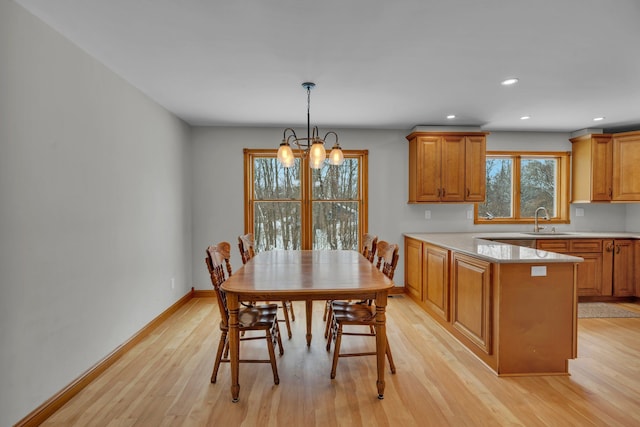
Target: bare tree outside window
{"x":499,"y":189}
{"x":277,"y":209}
{"x":538,"y":186}
{"x":518,"y":183}
{"x":335,"y":206}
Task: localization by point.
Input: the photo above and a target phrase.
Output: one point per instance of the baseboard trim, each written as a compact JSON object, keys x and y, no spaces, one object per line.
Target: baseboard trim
{"x":397,"y":290}
{"x":204,"y":293}
{"x":48,"y":408}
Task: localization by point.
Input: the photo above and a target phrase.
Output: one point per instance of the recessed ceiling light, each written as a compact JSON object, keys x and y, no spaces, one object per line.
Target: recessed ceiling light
{"x":509,"y":81}
{"x":451,"y":116}
{"x":597,"y":119}
{"x":525,"y":117}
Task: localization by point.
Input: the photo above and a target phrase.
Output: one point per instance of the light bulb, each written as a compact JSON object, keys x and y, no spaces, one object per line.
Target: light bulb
{"x":336,"y":157}
{"x":285,"y":155}
{"x":317,"y":154}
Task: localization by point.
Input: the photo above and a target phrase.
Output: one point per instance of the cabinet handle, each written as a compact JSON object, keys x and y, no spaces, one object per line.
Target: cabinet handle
{"x":609,"y":247}
{"x":468,"y":192}
{"x":617,"y":249}
{"x":438,"y":192}
{"x":610,"y":192}
{"x":443,"y":192}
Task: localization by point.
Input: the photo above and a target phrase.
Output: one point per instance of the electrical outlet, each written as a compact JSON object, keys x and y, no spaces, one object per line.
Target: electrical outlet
{"x":538,"y":270}
{"x":579,"y":211}
{"x":427,"y":214}
{"x":469,"y":214}
{"x":173,"y":283}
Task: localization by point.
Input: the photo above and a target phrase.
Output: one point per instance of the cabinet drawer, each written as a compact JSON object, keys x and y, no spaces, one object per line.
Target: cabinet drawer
{"x":559,"y":245}
{"x":586,"y":245}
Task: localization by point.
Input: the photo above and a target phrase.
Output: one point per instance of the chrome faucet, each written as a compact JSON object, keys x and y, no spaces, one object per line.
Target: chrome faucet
{"x":536,"y":227}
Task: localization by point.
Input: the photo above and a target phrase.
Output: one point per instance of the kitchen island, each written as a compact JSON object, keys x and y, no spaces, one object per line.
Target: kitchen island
{"x":514,"y":307}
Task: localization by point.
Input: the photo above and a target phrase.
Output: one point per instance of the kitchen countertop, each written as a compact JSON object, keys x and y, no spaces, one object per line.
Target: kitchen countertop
{"x":481,"y":245}
{"x":477,"y":245}
{"x":522,"y":235}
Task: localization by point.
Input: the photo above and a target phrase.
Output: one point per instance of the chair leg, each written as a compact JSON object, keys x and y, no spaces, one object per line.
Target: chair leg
{"x":286,"y":318}
{"x":390,"y":357}
{"x":327,"y":305}
{"x":272,"y":357}
{"x":278,"y":337}
{"x":328,"y":318}
{"x":336,"y":351}
{"x":331,"y":334}
{"x":221,"y":346}
{"x":226,"y":349}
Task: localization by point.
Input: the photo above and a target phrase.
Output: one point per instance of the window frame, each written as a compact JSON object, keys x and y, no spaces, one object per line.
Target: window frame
{"x":562,"y":187}
{"x":306,"y":196}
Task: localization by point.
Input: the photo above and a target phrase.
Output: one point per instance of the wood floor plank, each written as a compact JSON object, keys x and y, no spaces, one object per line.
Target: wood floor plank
{"x":164,"y":380}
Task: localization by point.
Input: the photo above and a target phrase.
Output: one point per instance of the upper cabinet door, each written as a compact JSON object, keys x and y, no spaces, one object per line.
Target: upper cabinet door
{"x":425,"y":169}
{"x":476,"y":169}
{"x":626,"y":174}
{"x":453,"y":147}
{"x":591,"y":171}
{"x":601,"y":168}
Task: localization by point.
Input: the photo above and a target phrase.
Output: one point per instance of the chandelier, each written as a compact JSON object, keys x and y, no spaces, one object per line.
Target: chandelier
{"x":311,"y":146}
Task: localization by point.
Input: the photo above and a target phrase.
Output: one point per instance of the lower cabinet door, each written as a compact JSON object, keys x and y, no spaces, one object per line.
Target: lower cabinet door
{"x":471,"y":299}
{"x":589,"y":282}
{"x":623,"y":268}
{"x":436,"y":284}
{"x":413,"y":268}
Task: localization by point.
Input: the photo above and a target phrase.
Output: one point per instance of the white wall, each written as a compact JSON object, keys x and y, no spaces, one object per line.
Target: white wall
{"x":633,"y":218}
{"x":94,"y":212}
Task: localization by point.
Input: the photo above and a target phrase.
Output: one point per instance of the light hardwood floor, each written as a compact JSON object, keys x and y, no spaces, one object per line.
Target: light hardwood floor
{"x":164,"y":381}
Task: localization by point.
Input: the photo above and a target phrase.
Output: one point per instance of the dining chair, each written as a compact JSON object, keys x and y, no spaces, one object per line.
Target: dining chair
{"x":369,"y":246}
{"x":246,"y":245}
{"x":255,"y":318}
{"x":359,"y":313}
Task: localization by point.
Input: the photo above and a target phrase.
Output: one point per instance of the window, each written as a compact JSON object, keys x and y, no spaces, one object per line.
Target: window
{"x":304,"y":208}
{"x":520,"y":182}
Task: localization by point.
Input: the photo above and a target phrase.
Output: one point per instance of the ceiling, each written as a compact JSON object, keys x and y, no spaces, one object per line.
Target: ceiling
{"x":377,"y":64}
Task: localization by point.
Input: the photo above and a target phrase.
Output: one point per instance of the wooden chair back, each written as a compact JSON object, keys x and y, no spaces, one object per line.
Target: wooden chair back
{"x":369,"y":246}
{"x":262,"y":318}
{"x":246,"y":246}
{"x":387,"y":258}
{"x":219,"y":266}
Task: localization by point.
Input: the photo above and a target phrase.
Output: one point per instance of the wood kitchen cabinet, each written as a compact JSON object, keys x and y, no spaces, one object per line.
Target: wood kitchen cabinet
{"x":427,"y":276}
{"x":604,"y":168}
{"x":447,"y":167}
{"x":471,"y":299}
{"x":589,"y":273}
{"x":436,"y":280}
{"x":413,"y":268}
{"x":516,"y":322}
{"x":592,"y":168}
{"x":626,"y":175}
{"x":608,"y":267}
{"x":636,"y":255}
{"x":618,"y":267}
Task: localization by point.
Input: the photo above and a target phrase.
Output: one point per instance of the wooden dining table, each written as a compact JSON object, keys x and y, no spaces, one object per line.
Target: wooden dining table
{"x":307,"y":275}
